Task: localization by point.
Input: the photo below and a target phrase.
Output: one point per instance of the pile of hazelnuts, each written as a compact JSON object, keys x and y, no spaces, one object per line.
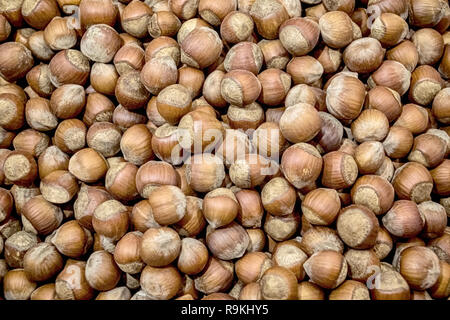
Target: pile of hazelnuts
{"x":232,"y":149}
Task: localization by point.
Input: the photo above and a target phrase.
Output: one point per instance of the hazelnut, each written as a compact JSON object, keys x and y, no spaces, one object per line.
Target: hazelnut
{"x":383,"y":244}
{"x":168,"y":204}
{"x":142,"y":217}
{"x":441,"y":288}
{"x":310,"y":291}
{"x":251,"y":291}
{"x":12,"y":108}
{"x":358,"y":227}
{"x":151,"y":243}
{"x":385,"y":100}
{"x":279,"y":283}
{"x":31,"y":141}
{"x":391,"y":74}
{"x":321,"y":206}
{"x":172,"y":110}
{"x":42,"y":262}
{"x":281,"y":228}
{"x":101,"y":272}
{"x":129,"y":57}
{"x":220,"y":207}
{"x":275,"y":55}
{"x":201,"y":47}
{"x":205,"y":172}
{"x":97,"y":12}
{"x":406,"y":53}
{"x":159,"y":73}
{"x":214,"y":13}
{"x":268,"y":140}
{"x":71,"y":282}
{"x":45,"y":292}
{"x":104,"y":137}
{"x":350,"y":290}
{"x":163,"y":23}
{"x":72,"y":240}
{"x":428,"y":149}
{"x":425,"y":84}
{"x":419,"y":266}
{"x":413,"y":181}
{"x":435,"y":219}
{"x":184,"y":9}
{"x":39,"y":115}
{"x":193,"y":221}
{"x":371,"y":125}
{"x":20,"y":168}
{"x":15,"y":61}
{"x":88,"y":165}
{"x":336,"y":29}
{"x":389,"y":28}
{"x":251,"y":210}
{"x":340,"y":170}
{"x":247,"y":118}
{"x":191,"y":78}
{"x":69,"y":67}
{"x":70,"y":135}
{"x":228,"y":242}
{"x":429,"y":44}
{"x":135,"y":18}
{"x":414,"y":117}
{"x":118,"y":293}
{"x":100,"y":43}
{"x":120,"y":181}
{"x":199,"y":132}
{"x":305,"y":70}
{"x":39,"y":80}
{"x":306,"y":125}
{"x":289,"y":254}
{"x":251,"y":170}
{"x":319,"y":238}
{"x":275,"y":85}
{"x":296,"y":159}
{"x":5,"y":28}
{"x":111,"y":219}
{"x":16,"y":246}
{"x":369,"y":156}
{"x":278,"y":197}
{"x":212,"y":89}
{"x":404,"y":219}
{"x":236,"y":26}
{"x":374,"y":192}
{"x":345,"y":97}
{"x":299,"y":35}
{"x":362,"y":264}
{"x":193,"y":256}
{"x":328,"y":269}
{"x":216,"y":276}
{"x":240,"y":87}
{"x":439,"y":108}
{"x":268,"y":17}
{"x":103,"y":79}
{"x":163,"y":46}
{"x":130,"y":91}
{"x":439,"y":175}
{"x":59,"y":186}
{"x":245,"y":55}
{"x":389,"y":285}
{"x":6,"y":204}
{"x":17,"y":286}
